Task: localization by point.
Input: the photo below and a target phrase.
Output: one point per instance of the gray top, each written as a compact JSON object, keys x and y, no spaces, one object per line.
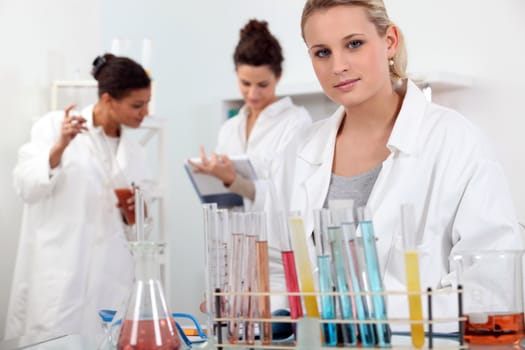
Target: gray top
{"x":357,"y":188}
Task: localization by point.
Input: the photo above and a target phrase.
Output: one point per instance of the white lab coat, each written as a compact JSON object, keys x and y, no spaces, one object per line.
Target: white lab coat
{"x":72,"y":257}
{"x":274,"y":128}
{"x":442,"y":164}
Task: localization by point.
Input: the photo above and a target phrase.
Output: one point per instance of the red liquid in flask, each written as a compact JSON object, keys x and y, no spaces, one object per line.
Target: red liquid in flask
{"x":165,"y":337}
{"x":499,"y":329}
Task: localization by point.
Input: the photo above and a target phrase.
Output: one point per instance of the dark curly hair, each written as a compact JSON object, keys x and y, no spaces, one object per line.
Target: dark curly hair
{"x":258,"y":47}
{"x":118,"y":75}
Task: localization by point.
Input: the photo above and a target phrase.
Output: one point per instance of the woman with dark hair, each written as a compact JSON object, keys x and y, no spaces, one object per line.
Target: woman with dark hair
{"x":72,"y":257}
{"x":262,"y":129}
{"x":265,"y":124}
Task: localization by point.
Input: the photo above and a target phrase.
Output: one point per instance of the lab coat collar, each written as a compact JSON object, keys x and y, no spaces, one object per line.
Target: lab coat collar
{"x":94,"y":146}
{"x":87,"y":113}
{"x":406,"y":128}
{"x":98,"y":148}
{"x":320,"y":142}
{"x":403,"y":137}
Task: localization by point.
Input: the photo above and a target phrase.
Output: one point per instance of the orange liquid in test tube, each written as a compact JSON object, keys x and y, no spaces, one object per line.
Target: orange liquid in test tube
{"x":123,"y":194}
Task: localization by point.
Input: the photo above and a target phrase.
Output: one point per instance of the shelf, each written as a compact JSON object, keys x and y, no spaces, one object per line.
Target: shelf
{"x":310,"y":94}
{"x":441,"y":81}
{"x":306,"y":88}
{"x":75,"y":83}
{"x":303,"y":89}
{"x":88,"y":84}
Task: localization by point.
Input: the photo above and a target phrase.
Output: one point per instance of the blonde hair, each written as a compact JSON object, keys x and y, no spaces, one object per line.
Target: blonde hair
{"x":377,"y":14}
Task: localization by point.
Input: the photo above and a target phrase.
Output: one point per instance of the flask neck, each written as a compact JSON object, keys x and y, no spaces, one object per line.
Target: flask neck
{"x":146,"y":258}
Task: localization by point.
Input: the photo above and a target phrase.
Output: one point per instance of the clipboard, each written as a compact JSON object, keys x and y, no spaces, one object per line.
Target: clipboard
{"x":212,"y":190}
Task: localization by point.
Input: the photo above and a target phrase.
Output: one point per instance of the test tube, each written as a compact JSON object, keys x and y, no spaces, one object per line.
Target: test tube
{"x":408,"y":228}
{"x":374,"y":276}
{"x":210,"y":229}
{"x":139,"y":214}
{"x":335,"y":236}
{"x":249,"y":283}
{"x":235,"y":275}
{"x":360,"y":305}
{"x":290,"y":270}
{"x":220,"y":269}
{"x":223,"y":248}
{"x":303,"y":264}
{"x":324,"y":262}
{"x":263,"y":277}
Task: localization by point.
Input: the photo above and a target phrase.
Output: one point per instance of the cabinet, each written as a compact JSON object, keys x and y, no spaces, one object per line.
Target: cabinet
{"x":311,"y":96}
{"x":151,"y":135}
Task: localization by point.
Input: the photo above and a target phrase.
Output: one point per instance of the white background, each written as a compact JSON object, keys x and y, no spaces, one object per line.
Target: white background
{"x":193,"y":43}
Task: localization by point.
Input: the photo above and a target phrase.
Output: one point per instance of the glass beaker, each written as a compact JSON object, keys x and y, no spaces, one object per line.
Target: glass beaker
{"x":493,"y":295}
{"x":123,"y":194}
{"x":121,"y":47}
{"x":147,"y":323}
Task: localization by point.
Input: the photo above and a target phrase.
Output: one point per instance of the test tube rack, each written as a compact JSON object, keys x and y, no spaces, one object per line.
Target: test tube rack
{"x":220,"y":322}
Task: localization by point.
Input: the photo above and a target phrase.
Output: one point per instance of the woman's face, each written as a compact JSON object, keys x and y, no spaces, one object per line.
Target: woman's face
{"x":348,"y":55}
{"x":257,"y":85}
{"x":132,"y":108}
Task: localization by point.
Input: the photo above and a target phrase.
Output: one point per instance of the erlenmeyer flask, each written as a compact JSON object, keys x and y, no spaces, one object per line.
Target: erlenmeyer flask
{"x":147,"y":323}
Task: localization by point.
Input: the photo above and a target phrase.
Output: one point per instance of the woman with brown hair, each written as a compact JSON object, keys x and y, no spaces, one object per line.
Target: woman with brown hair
{"x":265,"y":125}
{"x":73,"y":258}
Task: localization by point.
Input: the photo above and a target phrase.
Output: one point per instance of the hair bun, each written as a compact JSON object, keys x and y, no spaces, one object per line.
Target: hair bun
{"x":254,"y":27}
{"x":98,"y":63}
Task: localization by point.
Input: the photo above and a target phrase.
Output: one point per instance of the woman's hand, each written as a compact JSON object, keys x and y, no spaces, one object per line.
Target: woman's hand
{"x":71,"y":127}
{"x":218,"y":165}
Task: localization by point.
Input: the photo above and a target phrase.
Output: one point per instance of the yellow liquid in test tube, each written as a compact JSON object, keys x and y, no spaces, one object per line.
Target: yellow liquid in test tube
{"x":414,"y":301}
{"x":304,"y":267}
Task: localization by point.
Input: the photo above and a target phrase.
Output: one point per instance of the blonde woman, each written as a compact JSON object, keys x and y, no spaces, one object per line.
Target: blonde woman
{"x":387,"y":145}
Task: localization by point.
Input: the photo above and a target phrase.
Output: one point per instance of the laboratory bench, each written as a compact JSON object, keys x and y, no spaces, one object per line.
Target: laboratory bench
{"x":64,"y":342}
{"x":79,"y":342}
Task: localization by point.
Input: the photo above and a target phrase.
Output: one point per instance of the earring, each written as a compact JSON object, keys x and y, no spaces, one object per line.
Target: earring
{"x":391,"y":62}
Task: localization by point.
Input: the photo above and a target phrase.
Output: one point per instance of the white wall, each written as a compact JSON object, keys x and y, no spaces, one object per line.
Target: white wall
{"x":41,"y":41}
{"x":193,"y":44}
{"x":192,"y":47}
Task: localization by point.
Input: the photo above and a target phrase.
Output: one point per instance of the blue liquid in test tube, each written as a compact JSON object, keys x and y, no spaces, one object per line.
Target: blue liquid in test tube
{"x":336,"y":239}
{"x":327,"y":301}
{"x":366,"y":331}
{"x":374,"y":277}
{"x":324,"y":262}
